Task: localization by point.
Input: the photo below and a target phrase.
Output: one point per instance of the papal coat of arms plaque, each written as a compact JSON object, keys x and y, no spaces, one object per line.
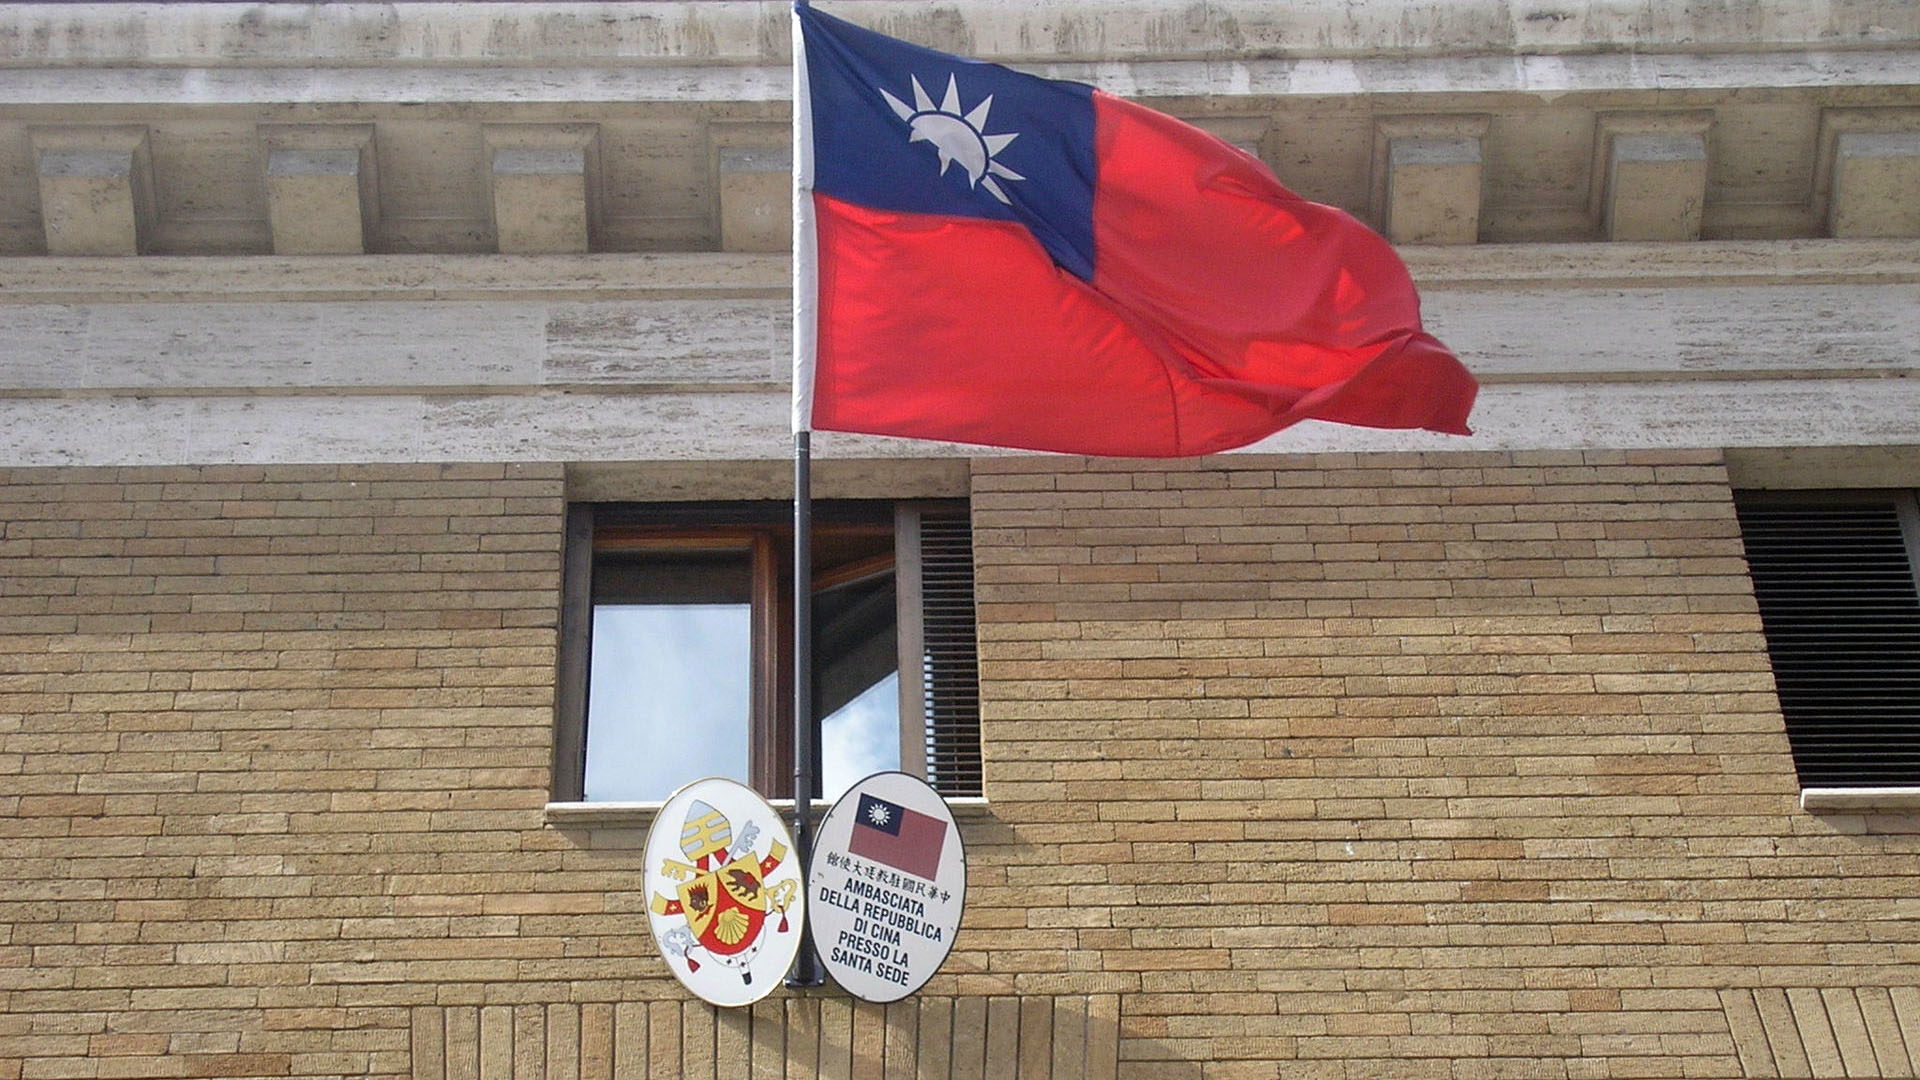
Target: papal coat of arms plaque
{"x":724,"y":891}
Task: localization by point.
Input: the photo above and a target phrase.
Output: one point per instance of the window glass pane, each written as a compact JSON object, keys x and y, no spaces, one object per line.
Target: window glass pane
{"x":677,"y":666}
{"x":861,"y":737}
{"x":856,"y":670}
{"x":669,"y":697}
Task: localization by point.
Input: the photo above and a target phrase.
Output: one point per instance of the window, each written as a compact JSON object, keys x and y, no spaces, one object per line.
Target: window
{"x":1834,"y":576}
{"x":676,"y":657}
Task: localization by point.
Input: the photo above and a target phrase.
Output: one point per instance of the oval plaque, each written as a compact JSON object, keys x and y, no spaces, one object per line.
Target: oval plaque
{"x":887,"y":887}
{"x":724,"y":892}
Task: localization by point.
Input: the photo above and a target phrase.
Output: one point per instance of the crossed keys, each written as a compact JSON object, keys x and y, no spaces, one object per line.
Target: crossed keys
{"x":678,"y":870}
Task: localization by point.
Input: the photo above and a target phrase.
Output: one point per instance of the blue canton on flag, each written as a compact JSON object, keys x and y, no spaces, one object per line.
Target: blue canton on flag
{"x":879,"y":814}
{"x":899,"y":127}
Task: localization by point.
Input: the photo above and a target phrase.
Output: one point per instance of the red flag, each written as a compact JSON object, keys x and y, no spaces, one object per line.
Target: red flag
{"x":1015,"y":261}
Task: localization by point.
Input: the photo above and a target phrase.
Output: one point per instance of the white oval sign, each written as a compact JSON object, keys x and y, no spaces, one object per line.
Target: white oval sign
{"x":724,"y":893}
{"x":887,"y":887}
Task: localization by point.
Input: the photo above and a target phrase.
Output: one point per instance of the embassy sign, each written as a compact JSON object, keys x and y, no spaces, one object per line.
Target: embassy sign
{"x":882,"y":904}
{"x":887,"y":887}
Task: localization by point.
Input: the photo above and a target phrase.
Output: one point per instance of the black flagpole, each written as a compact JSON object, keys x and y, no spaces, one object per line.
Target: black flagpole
{"x":806,"y":965}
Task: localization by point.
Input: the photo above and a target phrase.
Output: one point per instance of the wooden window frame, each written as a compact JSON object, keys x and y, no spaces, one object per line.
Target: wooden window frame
{"x":762,"y":531}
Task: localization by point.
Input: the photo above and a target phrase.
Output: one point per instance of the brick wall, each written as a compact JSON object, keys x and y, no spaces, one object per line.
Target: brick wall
{"x":1419,"y":765}
{"x":273,"y":745}
{"x":1461,"y":765}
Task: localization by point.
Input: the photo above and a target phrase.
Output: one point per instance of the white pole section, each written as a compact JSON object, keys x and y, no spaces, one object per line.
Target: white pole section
{"x":806,"y":270}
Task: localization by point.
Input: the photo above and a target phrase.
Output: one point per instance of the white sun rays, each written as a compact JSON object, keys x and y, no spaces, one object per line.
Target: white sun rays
{"x":957,"y":137}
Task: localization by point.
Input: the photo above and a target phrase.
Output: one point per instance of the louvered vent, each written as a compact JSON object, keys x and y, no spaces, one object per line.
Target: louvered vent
{"x":950,"y":662}
{"x":1835,"y":583}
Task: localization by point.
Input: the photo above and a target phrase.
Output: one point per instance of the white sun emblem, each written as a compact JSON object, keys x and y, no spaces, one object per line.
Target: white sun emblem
{"x":878,"y":814}
{"x":957,"y":137}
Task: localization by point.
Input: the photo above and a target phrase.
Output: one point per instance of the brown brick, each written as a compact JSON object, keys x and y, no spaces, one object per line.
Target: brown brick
{"x":1360,"y":765}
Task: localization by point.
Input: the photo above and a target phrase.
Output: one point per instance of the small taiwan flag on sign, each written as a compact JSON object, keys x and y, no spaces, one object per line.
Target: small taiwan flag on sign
{"x":903,"y":839}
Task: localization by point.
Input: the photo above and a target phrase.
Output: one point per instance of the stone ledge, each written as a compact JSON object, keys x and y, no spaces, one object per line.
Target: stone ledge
{"x":36,"y":279}
{"x":630,"y":427}
{"x":1855,"y":74}
{"x":746,"y":31}
{"x":1847,"y":799}
{"x":640,"y":815}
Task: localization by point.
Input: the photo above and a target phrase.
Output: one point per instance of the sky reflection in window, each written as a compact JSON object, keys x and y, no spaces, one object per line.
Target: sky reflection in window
{"x":861,"y":738}
{"x":670,"y":697}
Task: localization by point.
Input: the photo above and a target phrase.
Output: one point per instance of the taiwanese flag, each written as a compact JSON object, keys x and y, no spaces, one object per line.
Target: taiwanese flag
{"x":904,"y":839}
{"x":1000,"y":259}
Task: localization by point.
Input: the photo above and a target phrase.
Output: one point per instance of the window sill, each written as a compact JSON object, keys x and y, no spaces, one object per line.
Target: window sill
{"x":639,"y":815}
{"x":1860,"y":798}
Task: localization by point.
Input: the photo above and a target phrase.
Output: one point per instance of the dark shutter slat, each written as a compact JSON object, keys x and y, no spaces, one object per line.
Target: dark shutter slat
{"x":1841,"y":613}
{"x":951,"y":666}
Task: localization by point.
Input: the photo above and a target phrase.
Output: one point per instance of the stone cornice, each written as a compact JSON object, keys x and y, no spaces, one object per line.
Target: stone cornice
{"x":754,"y":31}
